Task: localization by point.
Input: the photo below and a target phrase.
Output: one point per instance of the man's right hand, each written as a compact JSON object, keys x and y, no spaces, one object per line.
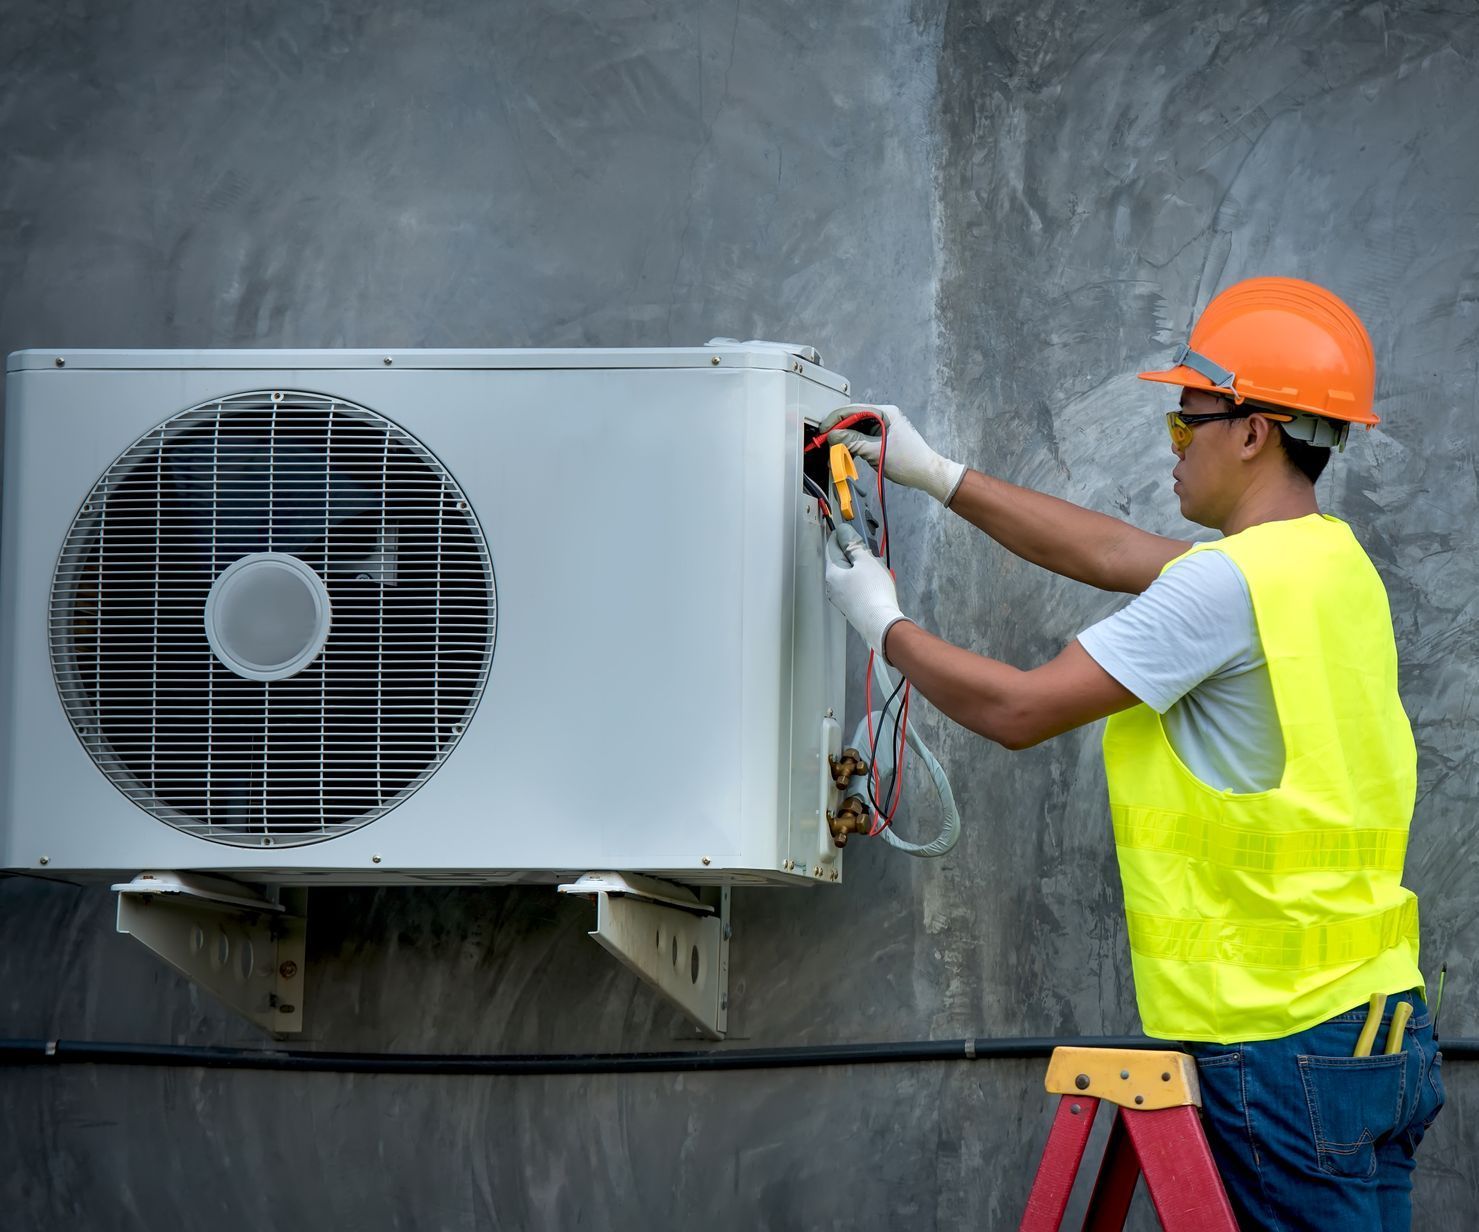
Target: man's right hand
{"x":909,"y":460}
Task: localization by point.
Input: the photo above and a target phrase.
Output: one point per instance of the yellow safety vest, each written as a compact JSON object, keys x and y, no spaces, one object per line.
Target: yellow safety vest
{"x":1255,"y":915}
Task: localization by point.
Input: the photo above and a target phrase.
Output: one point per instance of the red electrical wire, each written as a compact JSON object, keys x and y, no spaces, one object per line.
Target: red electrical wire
{"x":898,"y":752}
{"x":846,"y":421}
{"x":886,"y":820}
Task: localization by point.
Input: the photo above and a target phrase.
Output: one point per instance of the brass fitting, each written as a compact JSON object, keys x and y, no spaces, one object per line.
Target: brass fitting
{"x":845,"y":767}
{"x":851,"y":817}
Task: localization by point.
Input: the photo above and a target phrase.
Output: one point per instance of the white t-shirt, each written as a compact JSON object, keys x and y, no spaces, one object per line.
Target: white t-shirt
{"x":1188,"y":647}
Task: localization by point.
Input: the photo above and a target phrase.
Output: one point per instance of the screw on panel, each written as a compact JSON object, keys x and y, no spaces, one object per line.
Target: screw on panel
{"x":829,"y":713}
{"x":1139,"y":1099}
{"x":1125,"y":1074}
{"x":1082,"y":1082}
{"x":60,"y":362}
{"x":45,"y":859}
{"x":285,"y":1009}
{"x":288,"y":969}
{"x":374,"y":859}
{"x":844,"y":387}
{"x":714,"y":359}
{"x":388,"y":361}
{"x":704,"y":860}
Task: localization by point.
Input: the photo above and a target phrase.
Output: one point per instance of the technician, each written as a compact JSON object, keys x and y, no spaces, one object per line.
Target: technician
{"x":1261,"y":768}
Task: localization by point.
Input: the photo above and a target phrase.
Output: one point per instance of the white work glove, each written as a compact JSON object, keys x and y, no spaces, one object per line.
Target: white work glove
{"x":910,"y":461}
{"x":860,"y":588}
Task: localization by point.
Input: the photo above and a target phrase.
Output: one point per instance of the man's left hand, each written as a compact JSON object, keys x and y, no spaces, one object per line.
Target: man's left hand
{"x":860,"y":587}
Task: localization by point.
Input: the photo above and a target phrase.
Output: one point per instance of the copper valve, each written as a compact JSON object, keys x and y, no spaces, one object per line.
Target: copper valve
{"x":851,"y":817}
{"x":845,"y":767}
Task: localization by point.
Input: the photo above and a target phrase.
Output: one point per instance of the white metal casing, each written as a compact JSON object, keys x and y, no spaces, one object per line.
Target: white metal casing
{"x":665,"y":658}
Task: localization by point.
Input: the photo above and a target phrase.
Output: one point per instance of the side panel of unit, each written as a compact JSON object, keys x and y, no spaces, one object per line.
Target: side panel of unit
{"x":53,"y":800}
{"x":639,"y":705}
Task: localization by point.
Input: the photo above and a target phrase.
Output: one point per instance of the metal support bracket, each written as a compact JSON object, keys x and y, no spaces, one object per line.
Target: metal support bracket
{"x":246,"y":949}
{"x":665,"y":935}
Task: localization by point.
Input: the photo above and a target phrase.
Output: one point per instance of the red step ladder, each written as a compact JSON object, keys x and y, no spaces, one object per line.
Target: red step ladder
{"x":1156,"y":1131}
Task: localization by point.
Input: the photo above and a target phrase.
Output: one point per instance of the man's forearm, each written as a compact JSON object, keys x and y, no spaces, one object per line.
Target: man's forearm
{"x":1063,"y":537}
{"x":1014,"y":708}
{"x":979,"y":693}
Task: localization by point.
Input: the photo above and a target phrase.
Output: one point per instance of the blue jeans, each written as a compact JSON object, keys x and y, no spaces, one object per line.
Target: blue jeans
{"x":1308,"y":1137}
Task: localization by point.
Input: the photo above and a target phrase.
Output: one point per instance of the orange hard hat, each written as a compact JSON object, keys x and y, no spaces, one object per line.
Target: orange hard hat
{"x":1280,"y":342}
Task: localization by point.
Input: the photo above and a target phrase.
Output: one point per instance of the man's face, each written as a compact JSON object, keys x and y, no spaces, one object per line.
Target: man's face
{"x":1208,"y":473}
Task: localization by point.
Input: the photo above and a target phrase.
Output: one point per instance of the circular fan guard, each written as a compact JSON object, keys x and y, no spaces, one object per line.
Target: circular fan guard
{"x":273,"y":762}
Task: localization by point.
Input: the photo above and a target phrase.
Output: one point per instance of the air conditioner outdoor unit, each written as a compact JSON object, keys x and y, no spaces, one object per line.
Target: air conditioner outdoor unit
{"x":271,"y":619}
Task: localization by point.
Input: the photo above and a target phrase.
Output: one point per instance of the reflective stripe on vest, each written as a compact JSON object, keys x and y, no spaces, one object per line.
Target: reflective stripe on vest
{"x":1300,"y":851}
{"x":1256,"y":915}
{"x":1349,"y":941}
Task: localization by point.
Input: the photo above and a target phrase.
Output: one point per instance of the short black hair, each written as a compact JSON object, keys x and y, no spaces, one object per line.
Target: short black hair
{"x":1309,"y":460}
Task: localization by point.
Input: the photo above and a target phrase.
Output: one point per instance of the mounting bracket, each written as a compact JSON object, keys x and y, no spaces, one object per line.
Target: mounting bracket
{"x":665,"y":935}
{"x":245,"y":948}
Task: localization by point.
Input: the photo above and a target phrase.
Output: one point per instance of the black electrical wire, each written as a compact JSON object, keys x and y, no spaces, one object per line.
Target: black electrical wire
{"x":896,"y":747}
{"x":882,"y":722}
{"x":88,"y":1052}
{"x":814,"y":489}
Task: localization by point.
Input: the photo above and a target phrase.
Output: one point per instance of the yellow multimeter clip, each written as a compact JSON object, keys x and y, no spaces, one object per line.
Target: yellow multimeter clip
{"x":844,"y":471}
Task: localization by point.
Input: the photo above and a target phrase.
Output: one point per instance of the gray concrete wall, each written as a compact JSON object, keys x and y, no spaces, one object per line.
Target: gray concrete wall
{"x":991,"y":216}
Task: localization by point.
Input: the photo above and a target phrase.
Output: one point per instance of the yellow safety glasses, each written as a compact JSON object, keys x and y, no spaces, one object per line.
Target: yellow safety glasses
{"x":1180,"y":424}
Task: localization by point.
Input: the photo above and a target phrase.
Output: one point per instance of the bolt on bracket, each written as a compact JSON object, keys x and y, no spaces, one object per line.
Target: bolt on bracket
{"x":246,"y":949}
{"x":663,"y":934}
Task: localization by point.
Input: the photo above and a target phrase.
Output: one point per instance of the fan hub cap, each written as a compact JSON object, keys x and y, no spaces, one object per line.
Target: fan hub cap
{"x":268,"y":616}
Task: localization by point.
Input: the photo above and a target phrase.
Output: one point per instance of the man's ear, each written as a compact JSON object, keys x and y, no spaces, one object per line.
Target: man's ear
{"x":1258,"y":434}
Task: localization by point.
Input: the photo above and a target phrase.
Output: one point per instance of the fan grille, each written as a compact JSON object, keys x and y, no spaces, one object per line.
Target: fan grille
{"x":272,"y":762}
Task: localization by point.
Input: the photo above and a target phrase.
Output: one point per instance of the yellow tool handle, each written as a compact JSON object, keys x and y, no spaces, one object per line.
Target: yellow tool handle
{"x":844,"y":470}
{"x":1374,"y":1011}
{"x":1395,"y":1033}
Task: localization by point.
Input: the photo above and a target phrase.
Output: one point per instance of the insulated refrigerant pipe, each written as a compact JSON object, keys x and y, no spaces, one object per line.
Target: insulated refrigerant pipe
{"x":73,"y":1052}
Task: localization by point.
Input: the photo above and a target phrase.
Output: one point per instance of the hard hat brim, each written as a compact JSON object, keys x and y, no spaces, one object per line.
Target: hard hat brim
{"x":1190,"y":378}
{"x":1182,"y":375}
